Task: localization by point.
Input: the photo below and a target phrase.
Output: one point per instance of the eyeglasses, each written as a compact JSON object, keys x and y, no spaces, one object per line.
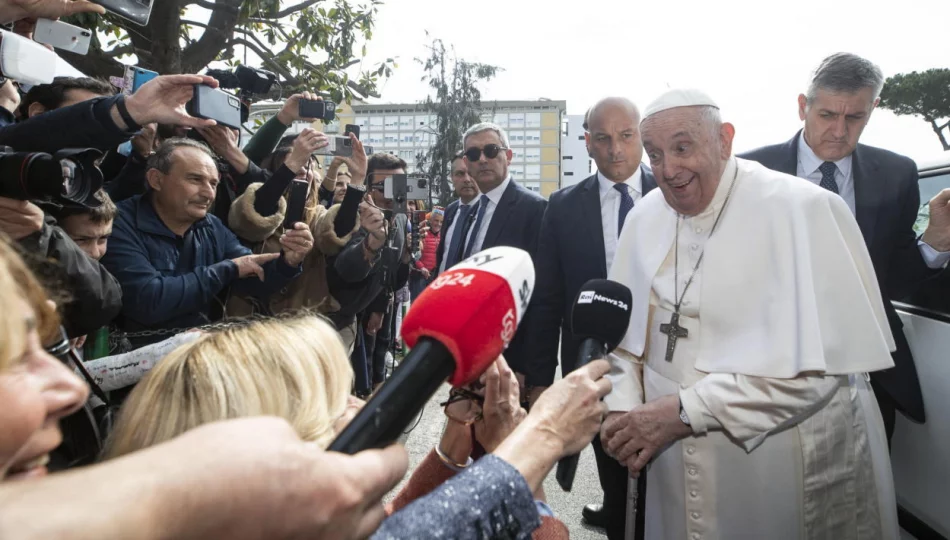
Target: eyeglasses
{"x":463,"y":406}
{"x":491,"y":152}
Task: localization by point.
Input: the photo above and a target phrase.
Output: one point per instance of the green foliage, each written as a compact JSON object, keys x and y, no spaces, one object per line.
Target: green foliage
{"x":309,"y":45}
{"x":456,"y":103}
{"x":925,"y":94}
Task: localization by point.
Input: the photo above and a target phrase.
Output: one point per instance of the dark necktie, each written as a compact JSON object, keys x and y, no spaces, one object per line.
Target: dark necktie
{"x":828,"y":182}
{"x":458,"y":235}
{"x":482,"y":206}
{"x":626,"y":205}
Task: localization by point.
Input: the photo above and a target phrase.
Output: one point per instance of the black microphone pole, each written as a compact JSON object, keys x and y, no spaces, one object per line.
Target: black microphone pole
{"x":387,"y":414}
{"x":590,"y":349}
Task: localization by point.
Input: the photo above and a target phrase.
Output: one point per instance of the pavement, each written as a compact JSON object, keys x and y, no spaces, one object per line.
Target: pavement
{"x":567,"y":506}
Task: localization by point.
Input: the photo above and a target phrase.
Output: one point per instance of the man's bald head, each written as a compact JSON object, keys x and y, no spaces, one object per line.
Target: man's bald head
{"x":613,"y":137}
{"x":610,"y":106}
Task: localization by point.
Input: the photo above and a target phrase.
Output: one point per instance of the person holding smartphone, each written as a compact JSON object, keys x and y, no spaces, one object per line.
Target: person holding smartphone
{"x":287,"y":198}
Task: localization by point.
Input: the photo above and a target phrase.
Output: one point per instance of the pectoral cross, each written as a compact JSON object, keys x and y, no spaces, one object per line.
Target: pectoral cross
{"x":673,"y":332}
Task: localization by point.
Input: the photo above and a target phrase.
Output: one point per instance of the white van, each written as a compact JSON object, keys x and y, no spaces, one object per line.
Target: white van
{"x":920,"y":453}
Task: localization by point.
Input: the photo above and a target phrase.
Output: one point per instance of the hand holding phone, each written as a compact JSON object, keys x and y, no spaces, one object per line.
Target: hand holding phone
{"x":296,"y":203}
{"x":214,"y":104}
{"x":62,"y":36}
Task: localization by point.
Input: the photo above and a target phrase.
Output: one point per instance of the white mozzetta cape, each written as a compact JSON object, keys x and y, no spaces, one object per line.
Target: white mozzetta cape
{"x":787,"y":282}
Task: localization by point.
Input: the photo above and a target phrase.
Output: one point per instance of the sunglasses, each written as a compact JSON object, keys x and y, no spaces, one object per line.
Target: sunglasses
{"x":491,"y":152}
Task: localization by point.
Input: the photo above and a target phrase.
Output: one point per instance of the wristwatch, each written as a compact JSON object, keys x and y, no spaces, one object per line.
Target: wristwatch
{"x":683,"y":417}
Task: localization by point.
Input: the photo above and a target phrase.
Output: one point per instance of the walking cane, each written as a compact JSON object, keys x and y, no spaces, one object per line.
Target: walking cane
{"x":636,"y":507}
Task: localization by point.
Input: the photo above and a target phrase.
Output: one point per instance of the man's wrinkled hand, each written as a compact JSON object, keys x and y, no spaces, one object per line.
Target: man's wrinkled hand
{"x":633,"y":438}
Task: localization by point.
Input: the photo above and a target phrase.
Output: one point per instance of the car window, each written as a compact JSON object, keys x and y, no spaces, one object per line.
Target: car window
{"x":933,"y":294}
{"x":929,"y":187}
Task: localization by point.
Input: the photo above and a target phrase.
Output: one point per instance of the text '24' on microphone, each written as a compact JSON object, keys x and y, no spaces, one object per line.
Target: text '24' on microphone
{"x":456,"y":328}
{"x":599,"y":319}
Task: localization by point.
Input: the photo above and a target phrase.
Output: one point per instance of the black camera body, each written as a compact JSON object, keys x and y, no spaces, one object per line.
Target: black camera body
{"x":69,"y":178}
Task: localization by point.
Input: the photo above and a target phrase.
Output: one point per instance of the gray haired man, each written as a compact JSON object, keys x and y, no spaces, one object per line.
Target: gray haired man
{"x":506,"y":214}
{"x":880,"y":188}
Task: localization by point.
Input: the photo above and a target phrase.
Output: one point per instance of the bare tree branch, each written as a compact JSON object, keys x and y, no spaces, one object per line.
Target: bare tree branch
{"x":295,"y":8}
{"x":267,"y":59}
{"x":214,"y":6}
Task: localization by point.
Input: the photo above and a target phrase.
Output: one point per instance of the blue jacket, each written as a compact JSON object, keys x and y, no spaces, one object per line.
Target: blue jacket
{"x":170,"y":281}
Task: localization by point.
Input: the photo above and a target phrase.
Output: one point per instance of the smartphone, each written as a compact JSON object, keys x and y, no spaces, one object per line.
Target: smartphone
{"x":341,"y":146}
{"x":215,"y":104}
{"x":296,"y":201}
{"x":135,"y":77}
{"x":352,"y":128}
{"x":137,"y":11}
{"x":62,"y":36}
{"x":317,"y":109}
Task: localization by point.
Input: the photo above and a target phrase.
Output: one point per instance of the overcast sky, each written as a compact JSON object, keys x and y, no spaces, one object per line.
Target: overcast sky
{"x":753,"y":57}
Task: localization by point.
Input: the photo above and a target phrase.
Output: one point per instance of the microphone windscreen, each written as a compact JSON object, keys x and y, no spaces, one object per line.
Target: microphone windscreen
{"x":474,"y":308}
{"x":602,"y":312}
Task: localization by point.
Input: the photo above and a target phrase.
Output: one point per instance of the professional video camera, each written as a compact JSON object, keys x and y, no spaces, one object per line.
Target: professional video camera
{"x":69,"y":177}
{"x":250,"y":81}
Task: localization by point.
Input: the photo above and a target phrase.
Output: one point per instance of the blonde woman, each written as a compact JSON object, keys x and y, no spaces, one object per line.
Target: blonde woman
{"x":36,"y":389}
{"x":296,"y":368}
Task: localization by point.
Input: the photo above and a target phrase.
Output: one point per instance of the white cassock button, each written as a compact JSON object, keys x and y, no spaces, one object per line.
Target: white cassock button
{"x":692,"y":471}
{"x":695,"y":515}
{"x":693,"y":494}
{"x":694,"y":247}
{"x":696,"y":536}
{"x":690,"y":450}
{"x":699,"y":230}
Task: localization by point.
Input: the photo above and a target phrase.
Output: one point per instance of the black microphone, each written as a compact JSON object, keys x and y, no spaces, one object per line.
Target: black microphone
{"x":599,"y":319}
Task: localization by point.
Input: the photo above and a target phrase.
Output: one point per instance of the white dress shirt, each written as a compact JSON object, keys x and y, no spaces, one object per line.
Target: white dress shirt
{"x":494,"y":197}
{"x":610,"y":208}
{"x":808,"y":163}
{"x":450,"y":231}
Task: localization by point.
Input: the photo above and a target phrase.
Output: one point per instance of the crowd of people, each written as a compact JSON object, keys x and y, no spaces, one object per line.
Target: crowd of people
{"x":176,"y":355}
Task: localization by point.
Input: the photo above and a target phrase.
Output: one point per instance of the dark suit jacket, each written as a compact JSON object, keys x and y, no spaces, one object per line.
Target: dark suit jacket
{"x":887,"y":199}
{"x":450,"y":212}
{"x":516,"y":222}
{"x":571,"y":252}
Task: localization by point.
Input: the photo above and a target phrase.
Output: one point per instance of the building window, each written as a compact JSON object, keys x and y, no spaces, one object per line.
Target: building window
{"x":532,"y":172}
{"x":516,"y":173}
{"x":517,"y":155}
{"x":391,"y":122}
{"x":568,"y":173}
{"x":501,"y":120}
{"x":533,"y":186}
{"x":532,"y":120}
{"x":532,"y":155}
{"x":405,"y":122}
{"x":516,"y":120}
{"x":580,"y":137}
{"x":376,"y":122}
{"x":390,"y":139}
{"x":568,"y":157}
{"x":532,"y":137}
{"x":516,"y":137}
{"x":362,"y":122}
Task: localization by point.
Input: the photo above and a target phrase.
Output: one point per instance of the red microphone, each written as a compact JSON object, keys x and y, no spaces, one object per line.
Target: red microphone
{"x":457,"y":327}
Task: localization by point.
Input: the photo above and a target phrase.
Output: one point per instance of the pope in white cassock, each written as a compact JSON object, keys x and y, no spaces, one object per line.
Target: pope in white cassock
{"x":756,"y":317}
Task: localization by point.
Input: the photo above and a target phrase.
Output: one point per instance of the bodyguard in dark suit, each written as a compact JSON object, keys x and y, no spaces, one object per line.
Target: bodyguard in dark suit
{"x":467,"y":191}
{"x":506,"y":213}
{"x":578,"y":241}
{"x":881,"y":189}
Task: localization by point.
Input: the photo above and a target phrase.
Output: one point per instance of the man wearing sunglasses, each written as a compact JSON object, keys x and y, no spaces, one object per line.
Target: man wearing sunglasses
{"x":505,"y":214}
